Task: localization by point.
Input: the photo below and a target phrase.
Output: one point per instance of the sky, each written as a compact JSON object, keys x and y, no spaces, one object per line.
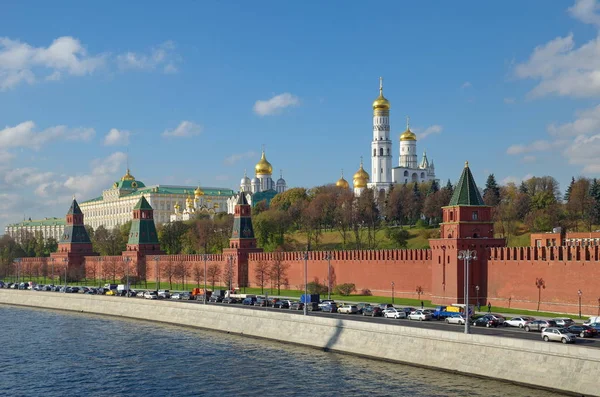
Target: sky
{"x":187,"y":92}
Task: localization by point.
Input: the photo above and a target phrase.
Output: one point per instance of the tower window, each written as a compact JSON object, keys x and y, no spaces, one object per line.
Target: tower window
{"x":451,"y":215}
{"x":388,"y":151}
{"x":381,"y":151}
{"x":475,"y":216}
{"x":374,"y":152}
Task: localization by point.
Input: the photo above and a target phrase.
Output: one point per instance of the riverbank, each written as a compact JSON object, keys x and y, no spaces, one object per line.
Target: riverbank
{"x":569,"y":369}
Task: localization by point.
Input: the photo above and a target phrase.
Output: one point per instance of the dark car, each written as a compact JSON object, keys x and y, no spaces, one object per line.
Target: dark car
{"x":408,"y":310}
{"x":538,"y":325}
{"x":297,"y":306}
{"x":329,"y":308}
{"x":583,"y":331}
{"x":384,"y":306}
{"x":281,"y":304}
{"x":231,"y":300}
{"x":485,"y":321}
{"x":373,"y":311}
{"x":262,"y":302}
{"x":215,"y":299}
{"x":249,"y":301}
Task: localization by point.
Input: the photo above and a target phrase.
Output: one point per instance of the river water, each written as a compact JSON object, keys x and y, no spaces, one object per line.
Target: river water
{"x":52,"y":353}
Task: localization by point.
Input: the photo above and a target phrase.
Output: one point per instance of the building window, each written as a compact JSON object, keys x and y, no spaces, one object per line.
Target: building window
{"x":374,"y":152}
{"x":451,"y":215}
{"x":475,"y":216}
{"x":381,"y":151}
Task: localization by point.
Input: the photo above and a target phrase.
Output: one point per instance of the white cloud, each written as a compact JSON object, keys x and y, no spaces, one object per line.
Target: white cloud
{"x":234,"y":158}
{"x":20,"y":62}
{"x":583,"y":151}
{"x":431,"y":130}
{"x":536,"y":146}
{"x":25,"y":135}
{"x":116,"y":137}
{"x":515,"y":179}
{"x":587,"y":121}
{"x":509,"y":101}
{"x":466,"y":84}
{"x":26,"y":176}
{"x":102,"y":173}
{"x":184,"y":129}
{"x":586,"y":11}
{"x":221,"y":178}
{"x":529,"y":159}
{"x":276,"y":104}
{"x":161,"y":57}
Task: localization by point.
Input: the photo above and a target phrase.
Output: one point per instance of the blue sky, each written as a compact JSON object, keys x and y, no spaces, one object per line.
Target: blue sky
{"x":191,"y":90}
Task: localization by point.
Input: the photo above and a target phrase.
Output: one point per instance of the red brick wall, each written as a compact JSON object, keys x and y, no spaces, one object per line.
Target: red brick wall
{"x":373,"y":270}
{"x":513,"y":273}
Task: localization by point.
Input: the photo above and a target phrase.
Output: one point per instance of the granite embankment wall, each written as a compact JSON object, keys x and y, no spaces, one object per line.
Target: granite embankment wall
{"x":573,"y":369}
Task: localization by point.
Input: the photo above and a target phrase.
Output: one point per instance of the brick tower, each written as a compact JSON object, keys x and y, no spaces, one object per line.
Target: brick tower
{"x":143,"y":239}
{"x":74,"y":245}
{"x":467,"y":225}
{"x":242,"y":241}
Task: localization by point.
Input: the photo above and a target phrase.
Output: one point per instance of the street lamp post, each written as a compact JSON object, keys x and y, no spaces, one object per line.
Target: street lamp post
{"x":205,"y":259}
{"x":467,"y":256}
{"x":230,"y":273}
{"x":393,"y":284}
{"x":66,"y":261}
{"x":328,"y":257}
{"x":126,"y":259}
{"x":52,"y":262}
{"x":306,"y":283}
{"x":100,"y":272}
{"x":579,"y":293}
{"x":477,"y":290}
{"x":156,"y":274}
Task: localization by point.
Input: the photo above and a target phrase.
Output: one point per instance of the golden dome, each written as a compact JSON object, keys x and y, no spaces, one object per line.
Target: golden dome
{"x":408,"y":135}
{"x":176,"y":206}
{"x":128,"y":176}
{"x":189,"y":201}
{"x":263,"y":167}
{"x":361,"y":177}
{"x":198,"y":192}
{"x":342,"y":182}
{"x":381,"y":103}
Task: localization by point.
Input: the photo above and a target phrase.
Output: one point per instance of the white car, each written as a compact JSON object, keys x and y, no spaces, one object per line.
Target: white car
{"x":176,"y":295}
{"x":564,"y":321}
{"x":558,"y":334}
{"x":348,"y":309}
{"x":419,"y":315}
{"x":164,"y":294}
{"x":456,"y":319}
{"x":517,"y":321}
{"x":150,"y":295}
{"x":392,"y":312}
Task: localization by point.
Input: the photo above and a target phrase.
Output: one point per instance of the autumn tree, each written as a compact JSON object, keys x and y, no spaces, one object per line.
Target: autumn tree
{"x":491,"y":193}
{"x":213,"y":274}
{"x":169,"y":269}
{"x":229,"y":273}
{"x":261,"y":275}
{"x":278,"y":271}
{"x":198,"y":273}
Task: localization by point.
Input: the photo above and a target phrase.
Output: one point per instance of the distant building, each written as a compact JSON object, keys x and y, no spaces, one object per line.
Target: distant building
{"x":48,"y":227}
{"x":558,"y":238}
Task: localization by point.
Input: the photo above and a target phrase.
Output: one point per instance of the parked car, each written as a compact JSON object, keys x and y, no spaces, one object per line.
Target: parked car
{"x":583,"y":331}
{"x":485,"y":321}
{"x":408,"y":310}
{"x":596,"y":326}
{"x":176,"y":296}
{"x":558,"y":334}
{"x":348,"y":309}
{"x":539,"y":325}
{"x":384,"y":306}
{"x":518,"y":321}
{"x":297,"y":306}
{"x":150,"y":295}
{"x":392,"y":312}
{"x":373,"y":311}
{"x":260,"y":301}
{"x":281,"y":304}
{"x":361,"y":306}
{"x":249,"y":301}
{"x":141,"y":294}
{"x":563,"y":322}
{"x":419,"y":315}
{"x":456,"y":318}
{"x":230,"y":300}
{"x":164,"y":294}
{"x":111,"y":292}
{"x":329,"y":308}
{"x":592,"y":320}
{"x":498,"y":317}
{"x":213,"y":298}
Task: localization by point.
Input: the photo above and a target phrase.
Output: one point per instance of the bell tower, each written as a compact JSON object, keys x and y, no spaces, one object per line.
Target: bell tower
{"x":467,"y":225}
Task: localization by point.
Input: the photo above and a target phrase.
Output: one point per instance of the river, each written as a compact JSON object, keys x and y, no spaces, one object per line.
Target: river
{"x":52,"y":353}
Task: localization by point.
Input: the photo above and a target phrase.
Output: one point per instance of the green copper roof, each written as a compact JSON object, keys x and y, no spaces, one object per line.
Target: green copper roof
{"x":264,"y":195}
{"x":142,"y":204}
{"x":174,"y":190}
{"x":75,"y":234}
{"x":129,"y":185}
{"x":74,"y":208}
{"x":466,"y":192}
{"x":41,"y":222}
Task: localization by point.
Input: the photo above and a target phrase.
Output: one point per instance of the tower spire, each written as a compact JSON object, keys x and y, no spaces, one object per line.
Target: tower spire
{"x":380,"y":85}
{"x":407,"y":122}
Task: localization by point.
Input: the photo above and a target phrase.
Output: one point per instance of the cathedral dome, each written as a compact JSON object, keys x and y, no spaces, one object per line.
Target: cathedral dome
{"x":342,"y":183}
{"x":189,"y":202}
{"x":128,"y":176}
{"x":263,"y":167}
{"x":408,"y":135}
{"x":198,"y":192}
{"x":361,"y":178}
{"x":245,"y":181}
{"x":381,"y":103}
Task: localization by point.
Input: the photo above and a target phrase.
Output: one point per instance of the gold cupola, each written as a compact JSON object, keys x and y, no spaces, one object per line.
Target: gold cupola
{"x":263,"y":167}
{"x":128,"y":176}
{"x":361,"y":178}
{"x":342,"y":183}
{"x":381,"y":103}
{"x":198,"y":192}
{"x":176,"y":206}
{"x":408,"y":135}
{"x":189,"y":201}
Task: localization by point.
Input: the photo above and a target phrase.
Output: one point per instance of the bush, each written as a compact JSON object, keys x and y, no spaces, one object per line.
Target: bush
{"x":422,"y":224}
{"x":315,"y":287}
{"x":345,"y":289}
{"x":366,"y":292}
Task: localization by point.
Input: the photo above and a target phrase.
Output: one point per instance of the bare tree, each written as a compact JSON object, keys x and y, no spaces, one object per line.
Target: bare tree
{"x":228,"y":273}
{"x":180,"y":272}
{"x":198,"y":273}
{"x":110,"y":267}
{"x":261,"y":274}
{"x":213,"y":274}
{"x":168,"y":269}
{"x":540,"y":283}
{"x":278,"y":271}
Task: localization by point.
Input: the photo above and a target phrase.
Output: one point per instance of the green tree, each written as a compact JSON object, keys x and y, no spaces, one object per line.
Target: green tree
{"x":398,"y":235}
{"x":569,"y":189}
{"x":491,"y":193}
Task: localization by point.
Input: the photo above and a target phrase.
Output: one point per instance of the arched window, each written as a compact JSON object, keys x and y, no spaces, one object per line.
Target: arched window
{"x":381,"y":151}
{"x":422,"y":175}
{"x":374,"y":152}
{"x":405,"y":173}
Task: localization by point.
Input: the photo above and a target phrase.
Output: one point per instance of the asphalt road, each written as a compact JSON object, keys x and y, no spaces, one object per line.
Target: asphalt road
{"x":506,"y":332}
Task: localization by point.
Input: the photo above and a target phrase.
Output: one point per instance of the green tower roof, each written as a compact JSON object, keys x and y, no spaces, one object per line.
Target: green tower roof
{"x":142,"y":204}
{"x":466,"y":192}
{"x":74,"y":210}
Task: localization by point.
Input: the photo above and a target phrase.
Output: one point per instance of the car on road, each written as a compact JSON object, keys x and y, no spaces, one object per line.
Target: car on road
{"x":176,"y":296}
{"x":558,"y":334}
{"x":485,"y":321}
{"x":330,"y":308}
{"x":518,"y":322}
{"x":392,"y":312}
{"x":249,"y":301}
{"x":150,"y":295}
{"x":539,"y":325}
{"x":563,"y":322}
{"x":498,"y":317}
{"x":164,"y":294}
{"x":455,"y":318}
{"x":583,"y":331}
{"x":596,"y":326}
{"x":419,"y":315}
{"x":348,"y":309}
{"x":281,"y":304}
{"x":384,"y":306}
{"x":297,"y":306}
{"x":373,"y":311}
{"x":111,"y":292}
{"x":408,"y":310}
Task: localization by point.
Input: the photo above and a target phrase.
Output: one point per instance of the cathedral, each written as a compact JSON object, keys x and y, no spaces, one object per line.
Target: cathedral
{"x":383,"y":174}
{"x":261,"y":187}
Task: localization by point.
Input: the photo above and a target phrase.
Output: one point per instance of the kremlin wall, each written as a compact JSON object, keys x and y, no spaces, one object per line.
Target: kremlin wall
{"x":506,"y":277}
